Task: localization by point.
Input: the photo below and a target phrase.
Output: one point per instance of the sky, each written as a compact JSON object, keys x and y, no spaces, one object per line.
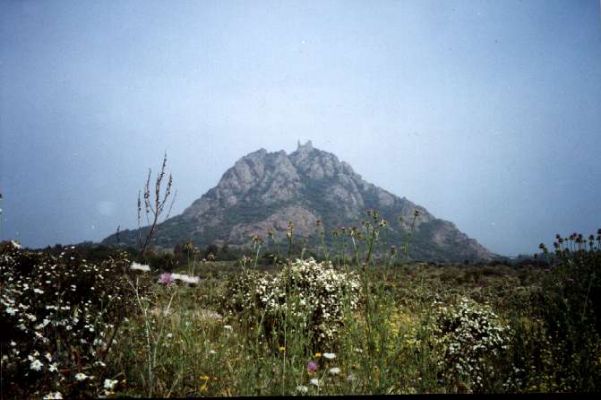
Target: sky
{"x":487,"y":113}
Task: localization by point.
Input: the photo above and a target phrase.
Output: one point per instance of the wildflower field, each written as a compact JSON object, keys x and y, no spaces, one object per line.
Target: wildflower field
{"x":362,"y":322}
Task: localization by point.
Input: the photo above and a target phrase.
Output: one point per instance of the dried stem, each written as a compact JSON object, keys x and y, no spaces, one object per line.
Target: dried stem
{"x":154,"y":209}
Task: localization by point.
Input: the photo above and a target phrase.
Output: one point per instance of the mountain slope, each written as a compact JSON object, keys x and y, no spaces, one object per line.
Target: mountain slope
{"x":263,"y":191}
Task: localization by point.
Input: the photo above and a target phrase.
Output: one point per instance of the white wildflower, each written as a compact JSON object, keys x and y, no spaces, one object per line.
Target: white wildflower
{"x":139,"y":267}
{"x":43,"y":324}
{"x":53,"y":396}
{"x":302,"y":389}
{"x":109,"y":384}
{"x":36,"y":365}
{"x":334,"y":371}
{"x":329,"y":356}
{"x":314,"y":382}
{"x":186,"y":278}
{"x":80,"y":376}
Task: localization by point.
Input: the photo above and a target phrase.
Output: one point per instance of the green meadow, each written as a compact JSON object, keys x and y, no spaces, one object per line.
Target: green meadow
{"x":100,"y":322}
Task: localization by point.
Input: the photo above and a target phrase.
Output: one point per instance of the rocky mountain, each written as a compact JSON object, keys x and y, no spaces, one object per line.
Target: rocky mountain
{"x":264,"y":191}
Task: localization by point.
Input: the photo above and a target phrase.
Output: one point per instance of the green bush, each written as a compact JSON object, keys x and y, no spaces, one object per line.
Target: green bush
{"x":570,"y":306}
{"x":307,"y":295}
{"x":58,"y":318}
{"x":474,"y":340}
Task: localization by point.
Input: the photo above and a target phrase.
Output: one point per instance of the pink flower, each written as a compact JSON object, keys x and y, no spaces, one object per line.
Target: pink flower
{"x":166,"y":278}
{"x":311,"y":367}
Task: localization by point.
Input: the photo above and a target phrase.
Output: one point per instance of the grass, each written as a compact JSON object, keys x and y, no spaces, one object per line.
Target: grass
{"x":248,"y":329}
{"x":389,"y":347}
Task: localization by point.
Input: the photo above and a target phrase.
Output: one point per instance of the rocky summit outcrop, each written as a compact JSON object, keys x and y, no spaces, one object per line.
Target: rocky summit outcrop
{"x":265,"y":191}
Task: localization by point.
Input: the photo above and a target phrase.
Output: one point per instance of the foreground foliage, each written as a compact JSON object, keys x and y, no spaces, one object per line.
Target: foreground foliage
{"x":74,"y":328}
{"x":474,"y":341}
{"x":307,"y":295}
{"x":59,"y":319}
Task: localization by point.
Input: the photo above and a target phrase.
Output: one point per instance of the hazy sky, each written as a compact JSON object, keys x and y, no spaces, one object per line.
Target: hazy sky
{"x":487,"y":113}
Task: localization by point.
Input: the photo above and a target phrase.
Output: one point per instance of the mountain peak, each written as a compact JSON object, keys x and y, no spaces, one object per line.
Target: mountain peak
{"x":257,"y":154}
{"x":305,"y":148}
{"x":264,"y":191}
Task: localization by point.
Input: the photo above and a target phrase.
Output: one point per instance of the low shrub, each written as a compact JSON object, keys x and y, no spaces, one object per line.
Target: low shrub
{"x":570,"y":306}
{"x":306,"y":294}
{"x":58,"y":317}
{"x":474,"y":339}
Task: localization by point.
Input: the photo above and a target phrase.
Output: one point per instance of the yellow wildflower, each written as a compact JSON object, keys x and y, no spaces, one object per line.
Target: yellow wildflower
{"x":204,"y":387}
